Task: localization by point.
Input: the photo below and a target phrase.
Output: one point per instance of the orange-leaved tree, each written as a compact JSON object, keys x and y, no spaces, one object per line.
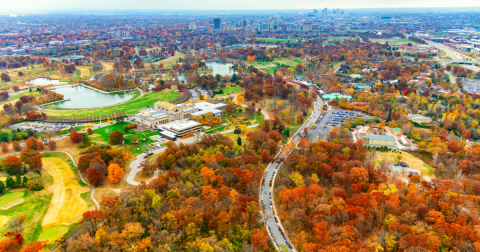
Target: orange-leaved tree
{"x":115,"y":173}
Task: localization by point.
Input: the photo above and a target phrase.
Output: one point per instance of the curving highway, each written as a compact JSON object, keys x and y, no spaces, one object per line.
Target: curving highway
{"x":266,"y":197}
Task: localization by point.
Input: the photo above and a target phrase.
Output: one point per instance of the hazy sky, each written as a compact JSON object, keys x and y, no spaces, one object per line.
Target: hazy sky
{"x":32,"y":5}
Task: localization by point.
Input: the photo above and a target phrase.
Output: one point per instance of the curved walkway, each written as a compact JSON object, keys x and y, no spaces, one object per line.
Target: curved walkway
{"x":80,"y":174}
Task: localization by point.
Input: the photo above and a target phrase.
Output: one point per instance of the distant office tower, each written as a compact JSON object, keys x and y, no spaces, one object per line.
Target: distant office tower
{"x":244,"y":23}
{"x":315,"y":11}
{"x":307,"y":26}
{"x":216,"y":23}
{"x":336,"y":11}
{"x":192,"y":25}
{"x":325,"y":11}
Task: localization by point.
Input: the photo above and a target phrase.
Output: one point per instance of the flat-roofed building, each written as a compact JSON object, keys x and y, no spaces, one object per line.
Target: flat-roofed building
{"x":419,"y":118}
{"x":164,"y":112}
{"x":204,"y":107}
{"x":179,"y":128}
{"x":379,"y":140}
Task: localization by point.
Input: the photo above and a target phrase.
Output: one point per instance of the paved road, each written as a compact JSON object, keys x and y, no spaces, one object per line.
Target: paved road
{"x":135,"y":164}
{"x":273,"y":225}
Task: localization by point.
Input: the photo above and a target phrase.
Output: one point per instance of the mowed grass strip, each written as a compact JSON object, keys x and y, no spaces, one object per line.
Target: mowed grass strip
{"x":130,"y":107}
{"x":52,"y":234}
{"x":33,"y":209}
{"x":67,"y":204}
{"x":9,"y":197}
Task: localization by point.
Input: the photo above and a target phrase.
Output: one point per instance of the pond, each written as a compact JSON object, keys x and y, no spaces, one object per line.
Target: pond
{"x":218,"y":68}
{"x":82,"y":97}
{"x":45,"y":81}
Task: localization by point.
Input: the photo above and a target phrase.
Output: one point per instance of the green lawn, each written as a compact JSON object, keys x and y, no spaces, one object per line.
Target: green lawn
{"x":104,"y":132}
{"x":54,"y":233}
{"x":231,"y":90}
{"x":140,"y":136}
{"x":17,"y":96}
{"x":130,"y":107}
{"x":10,"y":197}
{"x":33,"y":209}
{"x":394,"y":41}
{"x":341,"y":38}
{"x":267,"y":66}
{"x":274,"y":40}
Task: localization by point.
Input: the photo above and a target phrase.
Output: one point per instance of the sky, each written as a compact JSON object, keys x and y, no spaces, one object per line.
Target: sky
{"x":40,"y":5}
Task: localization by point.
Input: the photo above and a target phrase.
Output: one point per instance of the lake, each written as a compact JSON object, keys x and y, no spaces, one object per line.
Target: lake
{"x":45,"y":81}
{"x":82,"y":97}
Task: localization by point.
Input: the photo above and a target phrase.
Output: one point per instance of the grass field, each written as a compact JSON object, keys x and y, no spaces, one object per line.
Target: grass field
{"x":231,"y":90}
{"x":130,"y":107}
{"x":341,"y":38}
{"x":273,"y":40}
{"x":10,"y":197}
{"x":270,"y":67}
{"x":14,"y":98}
{"x":33,"y":209}
{"x":103,"y":133}
{"x":52,"y":234}
{"x":394,"y":41}
{"x":412,"y":161}
{"x":169,"y":62}
{"x":66,"y":202}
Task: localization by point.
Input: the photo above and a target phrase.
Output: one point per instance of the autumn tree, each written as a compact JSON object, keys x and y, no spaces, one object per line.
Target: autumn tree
{"x":52,"y":145}
{"x":115,"y":173}
{"x":115,"y":138}
{"x":75,"y":137}
{"x":16,"y":146}
{"x":94,"y":219}
{"x":12,"y":165}
{"x":89,"y":131}
{"x":4,"y":147}
{"x":95,"y":176}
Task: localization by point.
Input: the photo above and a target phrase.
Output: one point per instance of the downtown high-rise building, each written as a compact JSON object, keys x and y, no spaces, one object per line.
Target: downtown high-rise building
{"x":216,"y":23}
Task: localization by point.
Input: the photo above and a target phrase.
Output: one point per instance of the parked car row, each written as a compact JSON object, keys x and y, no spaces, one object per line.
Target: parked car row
{"x":338,"y":117}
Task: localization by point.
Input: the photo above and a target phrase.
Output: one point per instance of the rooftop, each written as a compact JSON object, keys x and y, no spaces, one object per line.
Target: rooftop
{"x":380,"y":137}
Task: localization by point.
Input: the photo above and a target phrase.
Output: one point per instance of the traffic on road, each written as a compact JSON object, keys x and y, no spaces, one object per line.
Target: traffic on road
{"x":272,"y":221}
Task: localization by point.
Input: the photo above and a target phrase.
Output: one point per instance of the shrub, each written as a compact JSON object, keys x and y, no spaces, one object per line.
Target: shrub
{"x":95,"y":176}
{"x":89,"y":131}
{"x":35,"y":185}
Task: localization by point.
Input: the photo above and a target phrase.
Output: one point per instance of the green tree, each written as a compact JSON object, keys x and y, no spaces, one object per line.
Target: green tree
{"x":239,"y":141}
{"x":10,"y":182}
{"x":286,"y":132}
{"x":4,"y":137}
{"x":2,"y":187}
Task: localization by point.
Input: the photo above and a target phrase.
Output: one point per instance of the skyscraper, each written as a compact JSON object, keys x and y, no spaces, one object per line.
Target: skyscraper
{"x":216,"y":23}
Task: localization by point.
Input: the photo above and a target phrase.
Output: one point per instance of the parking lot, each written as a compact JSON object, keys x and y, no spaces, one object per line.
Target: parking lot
{"x":330,"y":119}
{"x":44,"y":127}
